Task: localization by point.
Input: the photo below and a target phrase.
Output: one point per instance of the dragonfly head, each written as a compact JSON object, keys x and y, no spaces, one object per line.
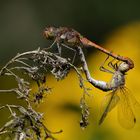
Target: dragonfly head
{"x":123,"y":67}
{"x":50,"y":33}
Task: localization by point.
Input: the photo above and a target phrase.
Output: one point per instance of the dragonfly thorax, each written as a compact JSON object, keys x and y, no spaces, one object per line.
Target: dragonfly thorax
{"x":65,"y":35}
{"x":118,"y":78}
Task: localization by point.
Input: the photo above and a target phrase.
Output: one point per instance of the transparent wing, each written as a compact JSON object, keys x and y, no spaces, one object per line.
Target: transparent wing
{"x":108,"y":103}
{"x":126,"y":116}
{"x":134,"y":103}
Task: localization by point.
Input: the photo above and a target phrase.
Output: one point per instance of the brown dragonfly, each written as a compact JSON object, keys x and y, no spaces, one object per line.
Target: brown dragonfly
{"x":69,"y":37}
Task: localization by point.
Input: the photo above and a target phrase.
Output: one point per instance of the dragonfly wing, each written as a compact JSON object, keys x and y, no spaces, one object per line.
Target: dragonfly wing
{"x":126,"y":116}
{"x":108,"y":103}
{"x":134,"y":103}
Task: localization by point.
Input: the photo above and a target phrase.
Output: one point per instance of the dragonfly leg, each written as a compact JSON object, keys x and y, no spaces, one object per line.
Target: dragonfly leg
{"x":51,"y":45}
{"x":113,"y":66}
{"x":59,"y":49}
{"x":73,"y":59}
{"x":102,"y":68}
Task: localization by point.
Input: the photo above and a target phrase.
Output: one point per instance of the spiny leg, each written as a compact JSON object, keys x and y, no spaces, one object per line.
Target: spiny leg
{"x":51,"y":45}
{"x":59,"y":49}
{"x":115,"y":65}
{"x":102,"y":68}
{"x":110,"y":64}
{"x":72,"y":50}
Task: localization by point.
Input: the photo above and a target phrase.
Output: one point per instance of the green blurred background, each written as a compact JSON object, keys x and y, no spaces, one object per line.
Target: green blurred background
{"x":113,"y":24}
{"x":22,"y":22}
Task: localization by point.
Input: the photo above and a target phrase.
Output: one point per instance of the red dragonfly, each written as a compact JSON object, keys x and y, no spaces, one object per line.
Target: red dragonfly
{"x":68,"y":36}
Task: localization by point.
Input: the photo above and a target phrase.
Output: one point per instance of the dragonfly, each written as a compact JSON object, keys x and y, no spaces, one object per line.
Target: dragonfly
{"x":69,"y":37}
{"x":119,"y":96}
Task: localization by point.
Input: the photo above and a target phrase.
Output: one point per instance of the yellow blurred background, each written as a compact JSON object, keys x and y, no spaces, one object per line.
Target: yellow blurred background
{"x":61,"y":108}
